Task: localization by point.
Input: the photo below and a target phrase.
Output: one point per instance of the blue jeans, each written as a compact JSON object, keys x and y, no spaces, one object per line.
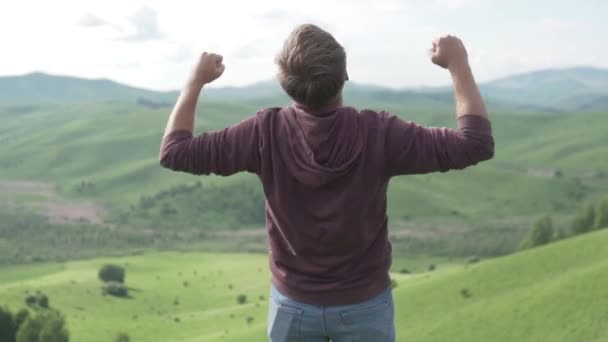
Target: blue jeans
{"x":372,"y":320}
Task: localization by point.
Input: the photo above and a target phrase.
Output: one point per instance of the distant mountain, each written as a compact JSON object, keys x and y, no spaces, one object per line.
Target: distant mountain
{"x":569,"y":89}
{"x":551,"y":90}
{"x":43,"y":88}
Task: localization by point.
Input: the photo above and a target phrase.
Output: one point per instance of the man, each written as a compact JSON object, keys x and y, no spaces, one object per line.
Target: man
{"x":325,"y":169}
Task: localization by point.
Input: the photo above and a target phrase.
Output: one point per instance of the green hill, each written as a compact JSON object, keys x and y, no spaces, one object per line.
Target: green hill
{"x":550,"y":90}
{"x":570,"y":89}
{"x":544,"y":164}
{"x":107,"y":152}
{"x":553,"y":293}
{"x":43,"y":88}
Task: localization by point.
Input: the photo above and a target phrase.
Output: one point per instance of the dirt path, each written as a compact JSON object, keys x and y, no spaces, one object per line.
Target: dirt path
{"x":27,"y":187}
{"x":57,"y":209}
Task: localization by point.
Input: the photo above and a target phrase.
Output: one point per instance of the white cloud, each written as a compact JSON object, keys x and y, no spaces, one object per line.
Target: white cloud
{"x":556,"y":25}
{"x":153,"y":43}
{"x":458,"y":4}
{"x":145,"y":25}
{"x":91,"y":20}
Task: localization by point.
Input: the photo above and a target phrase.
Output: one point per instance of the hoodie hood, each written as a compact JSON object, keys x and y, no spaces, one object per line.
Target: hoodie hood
{"x":321,"y":149}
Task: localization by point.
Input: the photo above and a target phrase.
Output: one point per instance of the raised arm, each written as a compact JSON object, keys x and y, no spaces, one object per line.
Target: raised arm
{"x":222,"y":152}
{"x":208,"y":69}
{"x":413,"y":149}
{"x":449,"y":53}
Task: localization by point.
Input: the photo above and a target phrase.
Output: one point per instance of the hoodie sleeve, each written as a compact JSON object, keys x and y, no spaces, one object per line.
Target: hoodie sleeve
{"x":223,"y":152}
{"x":413,"y":149}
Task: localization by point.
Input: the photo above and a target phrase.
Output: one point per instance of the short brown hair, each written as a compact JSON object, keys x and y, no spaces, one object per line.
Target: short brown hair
{"x":312,"y":66}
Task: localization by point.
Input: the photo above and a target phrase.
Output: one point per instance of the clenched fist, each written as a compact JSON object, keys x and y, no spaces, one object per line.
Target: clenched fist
{"x":208,"y":69}
{"x":449,"y":52}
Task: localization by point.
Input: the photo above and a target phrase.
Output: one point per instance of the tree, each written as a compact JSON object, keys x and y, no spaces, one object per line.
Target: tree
{"x":30,"y":330}
{"x":45,"y":326}
{"x":241,"y":299}
{"x":8,"y":327}
{"x":43,"y":301}
{"x":601,"y":214}
{"x":541,"y":233}
{"x":20,"y":317}
{"x":584,"y":219}
{"x":31,"y":300}
{"x":122,"y":337}
{"x":37,"y":301}
{"x":53,"y":329}
{"x":111,"y":272}
{"x":115,"y":289}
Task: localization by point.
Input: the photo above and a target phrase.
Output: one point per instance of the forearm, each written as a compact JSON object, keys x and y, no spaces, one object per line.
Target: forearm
{"x":466,"y":92}
{"x":182,"y":116}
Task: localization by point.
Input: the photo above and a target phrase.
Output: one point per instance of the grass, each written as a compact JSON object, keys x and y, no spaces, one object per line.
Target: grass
{"x":552,"y":293}
{"x":115,"y":145}
{"x":545,"y":294}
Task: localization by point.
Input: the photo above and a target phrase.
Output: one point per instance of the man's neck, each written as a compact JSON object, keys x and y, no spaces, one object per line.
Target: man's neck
{"x":323,"y":111}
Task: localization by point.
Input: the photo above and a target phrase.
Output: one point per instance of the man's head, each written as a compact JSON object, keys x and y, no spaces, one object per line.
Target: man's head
{"x":312,"y":67}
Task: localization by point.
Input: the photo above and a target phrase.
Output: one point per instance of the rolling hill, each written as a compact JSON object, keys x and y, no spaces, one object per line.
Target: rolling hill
{"x":572,"y":89}
{"x":551,"y":90}
{"x":37,"y":87}
{"x":552,"y":293}
{"x":107,"y":152}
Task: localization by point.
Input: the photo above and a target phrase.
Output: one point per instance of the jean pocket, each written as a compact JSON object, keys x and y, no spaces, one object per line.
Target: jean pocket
{"x":284,"y":322}
{"x":374,"y":322}
{"x":366,"y":313}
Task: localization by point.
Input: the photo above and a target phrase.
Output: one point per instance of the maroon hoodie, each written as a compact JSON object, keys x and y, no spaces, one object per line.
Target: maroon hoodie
{"x":325,"y":179}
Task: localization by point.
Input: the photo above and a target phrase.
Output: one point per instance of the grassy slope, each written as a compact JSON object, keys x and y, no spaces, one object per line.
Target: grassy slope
{"x":546,"y":294}
{"x":115,"y":146}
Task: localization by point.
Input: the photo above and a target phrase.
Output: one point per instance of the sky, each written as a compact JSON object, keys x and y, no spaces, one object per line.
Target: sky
{"x":153,"y":44}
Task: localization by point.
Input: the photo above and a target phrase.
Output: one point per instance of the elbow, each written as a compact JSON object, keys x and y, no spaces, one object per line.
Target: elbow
{"x":483,"y":151}
{"x":166,"y":160}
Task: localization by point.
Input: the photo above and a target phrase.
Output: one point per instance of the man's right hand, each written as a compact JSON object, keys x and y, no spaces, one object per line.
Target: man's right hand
{"x":208,"y":68}
{"x":449,"y":52}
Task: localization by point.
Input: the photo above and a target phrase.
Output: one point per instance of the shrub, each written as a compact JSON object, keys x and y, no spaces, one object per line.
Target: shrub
{"x":43,"y":301}
{"x":394,"y":283}
{"x":601,"y":215}
{"x":122,"y":337}
{"x":8,"y":326}
{"x":31,"y":300}
{"x":473,"y":260}
{"x":584,"y":220}
{"x":20,"y":317}
{"x":112,"y":273}
{"x":46,"y":326}
{"x":39,"y":300}
{"x":249,"y":319}
{"x":115,"y":289}
{"x":432,"y":267}
{"x":465,"y":293}
{"x":404,"y":271}
{"x":542,"y":233}
{"x":241,"y":299}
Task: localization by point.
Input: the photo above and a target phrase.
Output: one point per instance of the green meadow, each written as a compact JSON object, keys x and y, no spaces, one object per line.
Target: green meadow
{"x":81,"y":186}
{"x":551,"y":293}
